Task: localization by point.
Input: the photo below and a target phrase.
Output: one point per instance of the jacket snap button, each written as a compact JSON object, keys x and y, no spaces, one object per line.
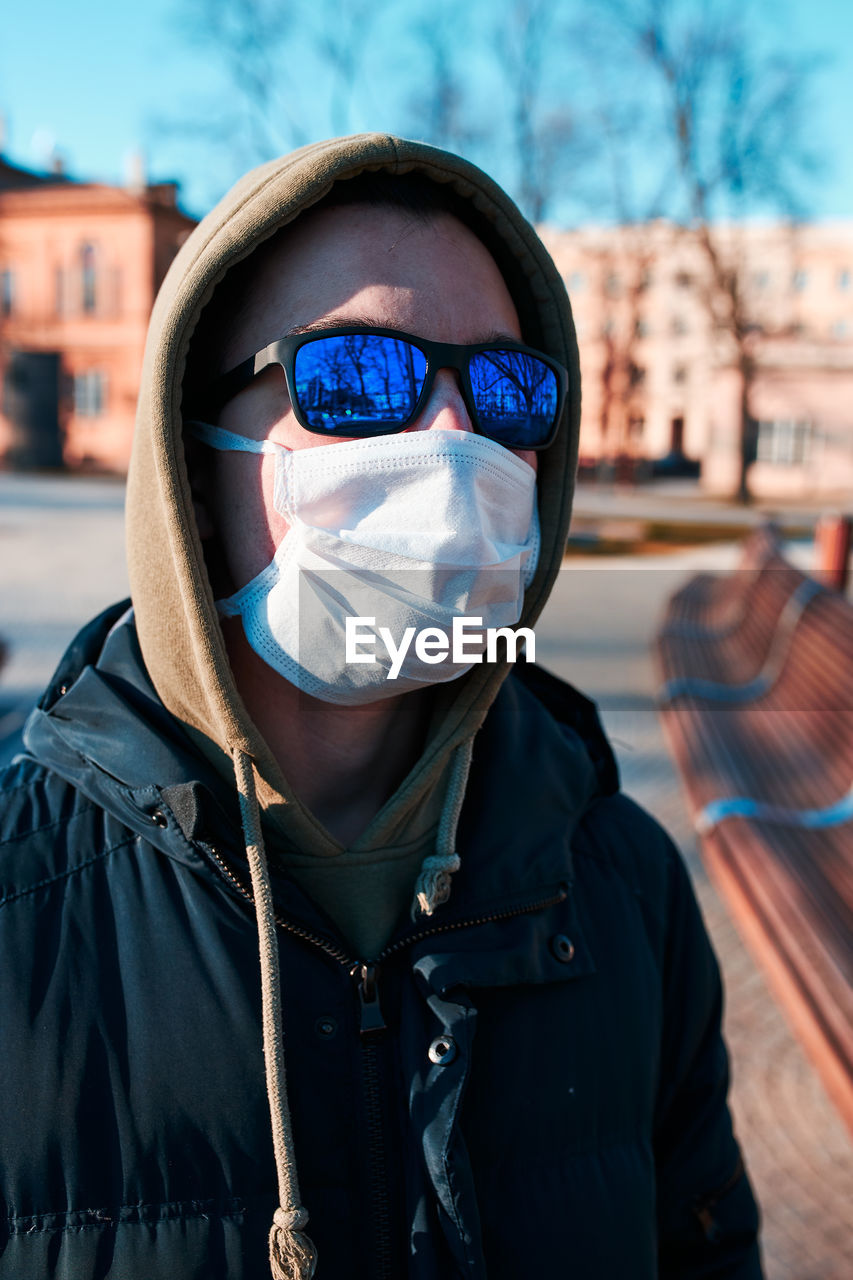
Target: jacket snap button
{"x":443,"y":1050}
{"x":563,"y":947}
{"x":159,"y":819}
{"x":325,"y":1028}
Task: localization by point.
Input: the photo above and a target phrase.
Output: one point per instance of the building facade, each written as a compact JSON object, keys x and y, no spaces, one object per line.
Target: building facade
{"x":664,"y":375}
{"x":80,"y":265}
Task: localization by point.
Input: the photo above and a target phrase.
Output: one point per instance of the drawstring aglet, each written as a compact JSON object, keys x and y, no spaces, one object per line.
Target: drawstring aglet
{"x":292,"y":1254}
{"x":433,"y":885}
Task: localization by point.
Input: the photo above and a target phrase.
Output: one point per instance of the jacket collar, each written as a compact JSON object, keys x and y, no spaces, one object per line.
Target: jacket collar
{"x":540,"y":760}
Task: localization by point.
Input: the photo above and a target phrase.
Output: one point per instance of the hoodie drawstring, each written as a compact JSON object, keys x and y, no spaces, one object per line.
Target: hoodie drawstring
{"x":433,"y":884}
{"x":292,"y":1254}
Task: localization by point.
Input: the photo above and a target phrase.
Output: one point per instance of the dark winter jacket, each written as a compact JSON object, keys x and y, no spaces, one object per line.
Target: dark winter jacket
{"x":530,"y":1085}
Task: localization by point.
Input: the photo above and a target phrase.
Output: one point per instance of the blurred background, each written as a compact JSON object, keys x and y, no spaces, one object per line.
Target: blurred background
{"x":688,"y":166}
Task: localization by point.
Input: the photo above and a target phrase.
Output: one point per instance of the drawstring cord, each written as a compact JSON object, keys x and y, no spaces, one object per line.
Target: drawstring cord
{"x":292,"y":1254}
{"x":433,"y":883}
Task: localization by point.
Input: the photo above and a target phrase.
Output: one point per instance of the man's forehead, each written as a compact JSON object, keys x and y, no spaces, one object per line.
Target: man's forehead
{"x":320,"y":268}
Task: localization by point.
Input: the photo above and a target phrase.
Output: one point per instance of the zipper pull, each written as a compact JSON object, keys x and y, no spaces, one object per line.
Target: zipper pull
{"x":368,"y":994}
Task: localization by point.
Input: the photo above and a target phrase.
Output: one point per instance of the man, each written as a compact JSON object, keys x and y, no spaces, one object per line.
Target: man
{"x":483,"y":967}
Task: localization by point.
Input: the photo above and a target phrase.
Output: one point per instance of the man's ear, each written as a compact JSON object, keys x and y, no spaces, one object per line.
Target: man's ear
{"x":200,"y":472}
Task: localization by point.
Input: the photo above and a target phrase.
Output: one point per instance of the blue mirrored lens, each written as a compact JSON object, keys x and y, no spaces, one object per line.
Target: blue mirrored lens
{"x":516,"y":397}
{"x":358,"y":381}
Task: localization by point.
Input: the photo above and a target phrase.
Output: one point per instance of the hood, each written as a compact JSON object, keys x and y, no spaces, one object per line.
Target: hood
{"x":179,"y":633}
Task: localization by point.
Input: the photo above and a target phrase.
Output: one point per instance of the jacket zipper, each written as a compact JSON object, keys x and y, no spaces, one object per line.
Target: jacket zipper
{"x":355,"y":967}
{"x":372,"y":1024}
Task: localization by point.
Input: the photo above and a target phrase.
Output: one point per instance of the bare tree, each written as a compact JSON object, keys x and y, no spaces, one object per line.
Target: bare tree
{"x":288,"y":72}
{"x":438,"y":106}
{"x":730,"y":122}
{"x":250,"y":41}
{"x":626,"y":181}
{"x":531,"y":46}
{"x":340,"y":33}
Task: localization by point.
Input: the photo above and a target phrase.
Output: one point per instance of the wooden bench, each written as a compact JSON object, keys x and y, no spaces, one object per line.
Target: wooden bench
{"x":757,"y":706}
{"x":717,"y":602}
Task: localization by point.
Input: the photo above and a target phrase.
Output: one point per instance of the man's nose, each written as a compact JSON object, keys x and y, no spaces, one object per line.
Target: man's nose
{"x":445,"y":407}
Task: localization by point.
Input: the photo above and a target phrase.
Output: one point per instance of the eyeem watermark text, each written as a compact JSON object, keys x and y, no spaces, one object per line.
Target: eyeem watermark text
{"x":433,"y":645}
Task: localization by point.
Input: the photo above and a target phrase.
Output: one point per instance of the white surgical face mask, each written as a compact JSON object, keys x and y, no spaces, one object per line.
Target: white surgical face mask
{"x":411,"y":530}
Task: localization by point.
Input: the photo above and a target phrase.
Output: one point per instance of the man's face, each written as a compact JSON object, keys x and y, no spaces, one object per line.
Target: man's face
{"x":353,"y":265}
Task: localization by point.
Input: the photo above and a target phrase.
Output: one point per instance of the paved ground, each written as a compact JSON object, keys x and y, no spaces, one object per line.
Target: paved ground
{"x":685,"y":500}
{"x":61,"y":560}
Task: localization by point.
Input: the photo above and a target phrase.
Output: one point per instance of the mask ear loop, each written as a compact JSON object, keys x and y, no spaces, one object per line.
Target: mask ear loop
{"x":219,"y":438}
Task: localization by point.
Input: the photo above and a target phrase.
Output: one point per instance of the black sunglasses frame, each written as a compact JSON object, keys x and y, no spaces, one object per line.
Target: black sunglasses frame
{"x":438,"y":355}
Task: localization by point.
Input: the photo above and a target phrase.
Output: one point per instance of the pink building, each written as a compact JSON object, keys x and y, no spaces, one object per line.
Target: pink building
{"x":80,"y":264}
{"x":659,"y":376}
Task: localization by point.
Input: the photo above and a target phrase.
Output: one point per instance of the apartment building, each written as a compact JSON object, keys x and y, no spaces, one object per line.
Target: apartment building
{"x":80,"y":264}
{"x":662,"y":373}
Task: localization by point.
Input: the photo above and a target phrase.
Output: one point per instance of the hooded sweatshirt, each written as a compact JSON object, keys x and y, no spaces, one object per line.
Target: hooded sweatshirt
{"x":365,"y":886}
{"x":362,"y":888}
{"x":533,"y":1082}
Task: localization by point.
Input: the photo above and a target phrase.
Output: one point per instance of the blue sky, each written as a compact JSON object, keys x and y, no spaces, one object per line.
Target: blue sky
{"x":98,"y":79}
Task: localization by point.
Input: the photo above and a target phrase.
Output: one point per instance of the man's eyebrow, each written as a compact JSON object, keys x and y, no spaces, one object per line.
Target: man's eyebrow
{"x":342,"y":322}
{"x":332,"y":322}
{"x":498,"y":335}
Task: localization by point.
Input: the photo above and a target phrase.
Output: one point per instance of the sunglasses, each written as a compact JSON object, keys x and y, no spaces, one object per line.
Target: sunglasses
{"x":355,"y":382}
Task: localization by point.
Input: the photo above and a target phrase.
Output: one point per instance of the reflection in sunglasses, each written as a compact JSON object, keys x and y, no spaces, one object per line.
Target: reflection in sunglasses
{"x":372,"y":379}
{"x":358,"y":378}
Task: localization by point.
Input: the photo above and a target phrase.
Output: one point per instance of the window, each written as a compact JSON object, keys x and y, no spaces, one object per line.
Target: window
{"x":840,"y":329}
{"x":843,"y":280}
{"x":800,"y":281}
{"x":576,"y":282}
{"x":679,"y":374}
{"x":642,"y":329}
{"x":678,"y":326}
{"x":88,"y":277}
{"x":683,"y":279}
{"x":784,"y":442}
{"x":636,"y":375}
{"x":59,"y":291}
{"x":760,"y":281}
{"x":90,"y":393}
{"x":612,"y":285}
{"x":7,"y":292}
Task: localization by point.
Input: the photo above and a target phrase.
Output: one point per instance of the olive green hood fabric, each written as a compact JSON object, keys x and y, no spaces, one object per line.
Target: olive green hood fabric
{"x":178,"y":627}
